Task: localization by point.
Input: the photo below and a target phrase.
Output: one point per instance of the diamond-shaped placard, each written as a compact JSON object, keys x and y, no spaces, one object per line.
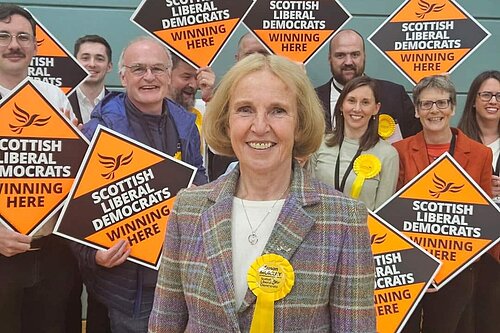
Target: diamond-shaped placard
{"x":403,"y":272}
{"x":54,"y":64}
{"x":444,"y":211}
{"x":428,"y":37}
{"x":195,"y":30}
{"x":40,"y":156}
{"x":124,"y":190}
{"x":296,"y":29}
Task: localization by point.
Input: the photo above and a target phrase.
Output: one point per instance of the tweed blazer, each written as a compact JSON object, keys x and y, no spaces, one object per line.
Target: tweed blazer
{"x":322,"y":233}
{"x":474,"y":157}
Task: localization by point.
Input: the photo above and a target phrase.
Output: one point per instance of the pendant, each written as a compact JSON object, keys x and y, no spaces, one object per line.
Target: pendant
{"x":253,"y":239}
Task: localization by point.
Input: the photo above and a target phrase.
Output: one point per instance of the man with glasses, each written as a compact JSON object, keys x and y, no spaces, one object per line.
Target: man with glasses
{"x":143,"y":113}
{"x":36,"y":272}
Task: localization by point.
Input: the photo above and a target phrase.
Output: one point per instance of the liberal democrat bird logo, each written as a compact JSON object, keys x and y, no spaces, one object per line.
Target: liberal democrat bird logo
{"x":39,"y":42}
{"x":428,"y":8}
{"x":376,"y":239}
{"x":26,"y":120}
{"x":442,"y":187}
{"x":112,"y":163}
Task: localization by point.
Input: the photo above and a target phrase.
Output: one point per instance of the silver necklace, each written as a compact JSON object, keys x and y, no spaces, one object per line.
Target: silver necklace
{"x":253,"y":238}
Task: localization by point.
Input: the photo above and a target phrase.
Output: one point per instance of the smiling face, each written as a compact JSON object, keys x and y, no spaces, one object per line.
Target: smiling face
{"x":357,"y":109}
{"x":262,"y":122}
{"x":146,"y":91}
{"x":347,"y":56}
{"x":488,"y":111}
{"x":183,"y":87}
{"x":94,"y":58}
{"x":14,"y":58}
{"x":435,"y":120}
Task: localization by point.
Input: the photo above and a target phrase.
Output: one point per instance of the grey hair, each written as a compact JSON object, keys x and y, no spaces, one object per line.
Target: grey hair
{"x":440,"y":82}
{"x":121,"y":68}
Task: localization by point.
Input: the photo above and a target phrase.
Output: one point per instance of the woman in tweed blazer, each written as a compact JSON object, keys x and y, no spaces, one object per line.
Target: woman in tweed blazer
{"x":265,"y":112}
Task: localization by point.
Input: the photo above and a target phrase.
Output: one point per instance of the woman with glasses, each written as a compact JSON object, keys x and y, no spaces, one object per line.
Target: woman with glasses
{"x":481,"y":122}
{"x":354,"y":145}
{"x":449,"y":310}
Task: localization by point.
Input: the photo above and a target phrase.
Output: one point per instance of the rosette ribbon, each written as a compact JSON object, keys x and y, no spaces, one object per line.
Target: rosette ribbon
{"x":270,"y":278}
{"x":386,"y":126}
{"x":365,"y":166}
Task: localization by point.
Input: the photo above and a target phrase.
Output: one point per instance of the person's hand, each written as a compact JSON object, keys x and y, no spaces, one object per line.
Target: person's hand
{"x":495,"y":186}
{"x":74,"y":120}
{"x":114,"y":256}
{"x":12,"y":243}
{"x":205,"y":78}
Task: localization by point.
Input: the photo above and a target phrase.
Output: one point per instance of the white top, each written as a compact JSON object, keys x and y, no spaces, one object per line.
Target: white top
{"x":86,"y":105}
{"x":334,"y":97}
{"x":244,"y":253}
{"x":59,"y":100}
{"x":495,"y":148}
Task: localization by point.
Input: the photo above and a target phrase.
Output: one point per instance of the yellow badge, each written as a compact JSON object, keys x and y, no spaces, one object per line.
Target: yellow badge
{"x":386,"y":126}
{"x":270,"y":278}
{"x":365,"y":166}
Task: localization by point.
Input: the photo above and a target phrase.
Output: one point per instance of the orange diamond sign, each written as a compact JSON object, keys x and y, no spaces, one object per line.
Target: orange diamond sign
{"x":196,"y":30}
{"x":428,"y":37}
{"x":448,"y":214}
{"x":124,"y":191}
{"x":54,"y":64}
{"x":40,"y":153}
{"x":296,"y":29}
{"x":403,"y":272}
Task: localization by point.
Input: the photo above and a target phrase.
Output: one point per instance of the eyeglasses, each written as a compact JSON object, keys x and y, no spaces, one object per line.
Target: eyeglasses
{"x":486,"y":96}
{"x":22,"y":38}
{"x":141,"y":69}
{"x":440,"y":104}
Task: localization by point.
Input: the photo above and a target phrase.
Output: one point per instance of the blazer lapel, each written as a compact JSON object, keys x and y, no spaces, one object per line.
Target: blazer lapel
{"x":292,"y":226}
{"x":418,"y":151}
{"x":216,"y":228}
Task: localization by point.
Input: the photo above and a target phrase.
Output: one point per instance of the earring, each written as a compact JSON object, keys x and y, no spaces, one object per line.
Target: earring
{"x":374,"y":117}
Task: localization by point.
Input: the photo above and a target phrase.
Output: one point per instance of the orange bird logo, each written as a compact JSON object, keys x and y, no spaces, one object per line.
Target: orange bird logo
{"x":40,"y":42}
{"x":442,"y":187}
{"x":26,"y":120}
{"x":114,"y":163}
{"x":428,"y":8}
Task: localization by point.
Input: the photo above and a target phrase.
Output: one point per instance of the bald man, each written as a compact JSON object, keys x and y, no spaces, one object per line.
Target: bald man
{"x":347,"y":59}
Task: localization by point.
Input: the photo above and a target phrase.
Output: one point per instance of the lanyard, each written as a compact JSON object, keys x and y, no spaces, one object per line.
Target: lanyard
{"x":496,"y":170}
{"x":347,"y":172}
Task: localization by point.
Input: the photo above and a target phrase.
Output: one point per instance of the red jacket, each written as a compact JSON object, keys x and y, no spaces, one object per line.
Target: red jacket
{"x":474,"y":157}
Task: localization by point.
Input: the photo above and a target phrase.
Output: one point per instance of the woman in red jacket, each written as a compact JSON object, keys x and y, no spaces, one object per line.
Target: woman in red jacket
{"x":449,"y":310}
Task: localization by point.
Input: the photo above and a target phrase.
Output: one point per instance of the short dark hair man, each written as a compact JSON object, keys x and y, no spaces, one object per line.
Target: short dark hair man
{"x":347,"y":60}
{"x":143,"y":113}
{"x":36,"y":272}
{"x":94,"y":53}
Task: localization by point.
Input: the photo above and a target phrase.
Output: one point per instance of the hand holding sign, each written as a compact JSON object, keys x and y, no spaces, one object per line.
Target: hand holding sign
{"x":205,"y":78}
{"x":12,"y":243}
{"x":114,"y":256}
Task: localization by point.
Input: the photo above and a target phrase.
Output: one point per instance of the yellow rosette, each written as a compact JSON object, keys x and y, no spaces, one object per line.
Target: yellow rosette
{"x":386,"y":126}
{"x":270,"y":278}
{"x":365,"y":166}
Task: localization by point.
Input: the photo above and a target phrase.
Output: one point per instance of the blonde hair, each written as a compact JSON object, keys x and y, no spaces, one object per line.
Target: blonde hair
{"x":310,"y":123}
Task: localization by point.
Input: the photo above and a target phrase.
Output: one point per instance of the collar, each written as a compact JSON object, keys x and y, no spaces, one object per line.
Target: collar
{"x":82,"y":97}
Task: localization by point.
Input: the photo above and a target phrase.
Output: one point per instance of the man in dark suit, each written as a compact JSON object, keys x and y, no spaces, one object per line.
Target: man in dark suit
{"x":347,"y":61}
{"x":94,"y":53}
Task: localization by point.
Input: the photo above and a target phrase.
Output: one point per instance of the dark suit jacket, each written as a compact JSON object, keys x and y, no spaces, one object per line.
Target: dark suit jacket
{"x":393,"y":99}
{"x":474,"y":157}
{"x":73,"y":100}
